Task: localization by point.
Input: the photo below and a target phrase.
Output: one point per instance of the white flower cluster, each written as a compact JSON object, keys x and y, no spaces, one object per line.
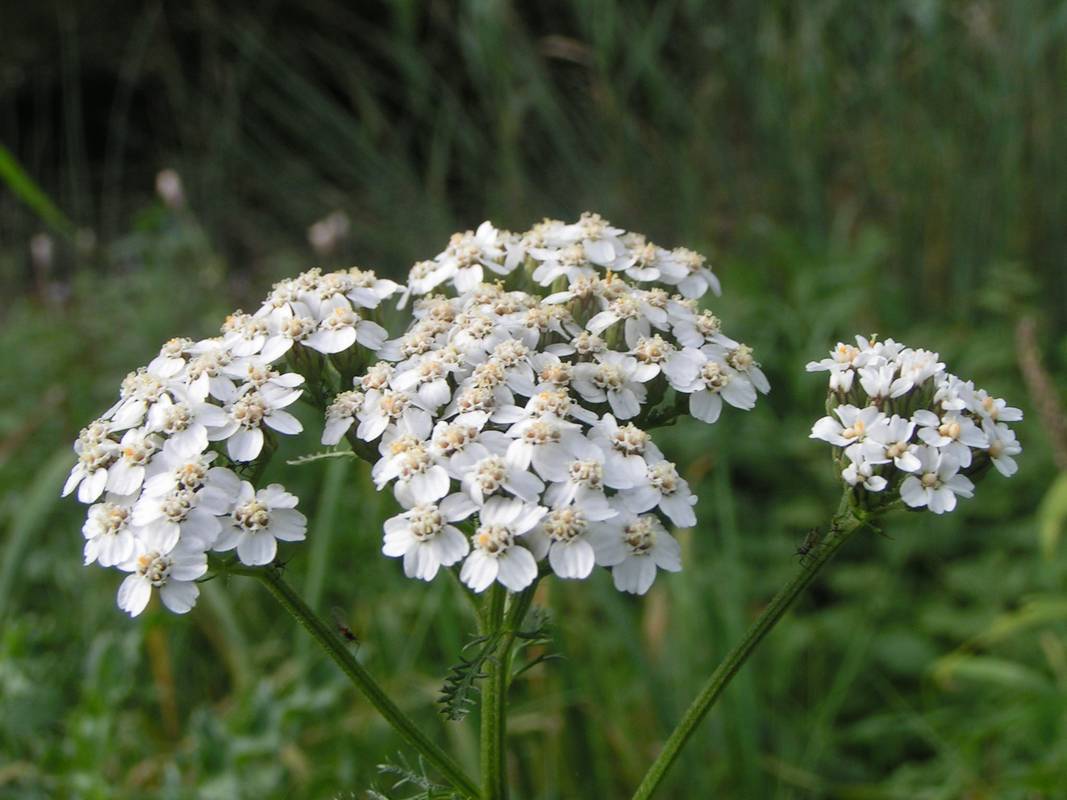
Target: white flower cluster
{"x":905,"y":427}
{"x":508,"y":416}
{"x":158,"y":499}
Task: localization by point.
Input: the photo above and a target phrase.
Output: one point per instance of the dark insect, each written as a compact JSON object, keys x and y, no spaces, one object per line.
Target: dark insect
{"x":811,"y":541}
{"x":342,"y":626}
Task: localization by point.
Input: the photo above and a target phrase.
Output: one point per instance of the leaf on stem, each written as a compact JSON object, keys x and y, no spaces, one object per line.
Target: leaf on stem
{"x":325,"y":454}
{"x":460,"y":687}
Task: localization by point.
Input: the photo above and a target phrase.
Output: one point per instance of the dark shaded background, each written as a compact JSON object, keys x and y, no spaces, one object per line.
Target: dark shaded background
{"x":849,"y":167}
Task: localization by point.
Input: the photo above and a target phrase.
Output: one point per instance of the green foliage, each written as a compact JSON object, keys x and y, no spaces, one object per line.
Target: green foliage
{"x":891,"y":167}
{"x":459,"y":693}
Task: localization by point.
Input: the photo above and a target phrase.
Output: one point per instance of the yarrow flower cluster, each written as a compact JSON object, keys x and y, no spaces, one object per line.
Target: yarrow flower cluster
{"x":510,"y":418}
{"x":902,"y":426}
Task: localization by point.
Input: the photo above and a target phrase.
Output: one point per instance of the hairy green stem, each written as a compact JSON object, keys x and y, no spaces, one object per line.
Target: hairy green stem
{"x":844,"y":524}
{"x":325,"y":635}
{"x":494,"y":702}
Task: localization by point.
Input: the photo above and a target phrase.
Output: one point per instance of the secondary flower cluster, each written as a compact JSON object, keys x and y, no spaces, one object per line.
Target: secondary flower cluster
{"x":903,"y":426}
{"x":509,"y":417}
{"x":153,"y":467}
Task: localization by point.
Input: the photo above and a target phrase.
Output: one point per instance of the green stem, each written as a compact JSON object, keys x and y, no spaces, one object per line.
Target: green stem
{"x":494,"y":701}
{"x":505,"y":625}
{"x":336,"y":648}
{"x":844,"y":524}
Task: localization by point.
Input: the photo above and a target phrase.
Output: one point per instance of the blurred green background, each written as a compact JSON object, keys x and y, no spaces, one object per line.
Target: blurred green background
{"x":891,"y":167}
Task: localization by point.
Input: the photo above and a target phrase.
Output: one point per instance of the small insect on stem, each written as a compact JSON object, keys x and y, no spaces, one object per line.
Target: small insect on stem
{"x":341,"y":622}
{"x":811,"y":541}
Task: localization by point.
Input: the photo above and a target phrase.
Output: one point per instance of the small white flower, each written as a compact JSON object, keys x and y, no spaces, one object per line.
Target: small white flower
{"x":843,"y":357}
{"x":179,"y":515}
{"x":698,"y":278}
{"x":96,"y":452}
{"x":494,"y":474}
{"x":708,"y":380}
{"x":174,"y":574}
{"x":936,"y":482}
{"x":916,"y":367}
{"x":340,"y":327}
{"x":952,"y":433}
{"x":259,"y":521}
{"x":467,"y":253}
{"x":203,"y":375}
{"x":994,"y":409}
{"x":695,"y":330}
{"x":665,"y":488}
{"x":578,"y":477}
{"x":861,"y":471}
{"x":426,"y":379}
{"x":616,"y":378}
{"x":459,"y":445}
{"x":563,"y":534}
{"x":626,"y":449}
{"x":634,"y":547}
{"x":140,"y":389}
{"x":249,"y":411}
{"x":496,"y":555}
{"x":638,"y":314}
{"x":110,"y":535}
{"x":1002,"y":447}
{"x":388,"y":407}
{"x":893,"y":437}
{"x":853,"y":428}
{"x":423,"y":537}
{"x":368,"y":290}
{"x":541,"y":441}
{"x":289,"y":324}
{"x":417,"y":477}
{"x":170,"y":470}
{"x":955,"y":395}
{"x":185,"y":423}
{"x":340,"y":415}
{"x":243,"y":334}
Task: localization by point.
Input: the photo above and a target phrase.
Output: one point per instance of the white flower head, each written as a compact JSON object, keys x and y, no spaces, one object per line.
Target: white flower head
{"x":635,"y":547}
{"x":174,"y":574}
{"x":424,"y":537}
{"x":909,"y":429}
{"x":258,"y":521}
{"x":496,"y":555}
{"x":936,"y":483}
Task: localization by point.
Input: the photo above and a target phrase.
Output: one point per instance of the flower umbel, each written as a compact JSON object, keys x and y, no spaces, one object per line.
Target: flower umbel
{"x":902,"y":427}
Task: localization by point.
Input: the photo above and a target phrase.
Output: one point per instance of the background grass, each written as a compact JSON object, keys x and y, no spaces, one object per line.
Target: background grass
{"x":893,"y":167}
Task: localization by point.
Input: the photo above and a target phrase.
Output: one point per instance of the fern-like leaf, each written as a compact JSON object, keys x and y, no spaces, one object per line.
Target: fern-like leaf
{"x":458,"y":695}
{"x":321,"y":456}
{"x":404,"y":776}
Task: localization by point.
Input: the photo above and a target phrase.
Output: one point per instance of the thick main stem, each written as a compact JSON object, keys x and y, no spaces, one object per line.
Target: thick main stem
{"x":494,"y":700}
{"x":327,"y":638}
{"x":505,"y":627}
{"x":842,"y":527}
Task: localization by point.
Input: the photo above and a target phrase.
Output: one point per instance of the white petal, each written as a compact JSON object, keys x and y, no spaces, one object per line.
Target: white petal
{"x":288,"y":525}
{"x":134,"y":594}
{"x":517,"y":568}
{"x":245,"y":445}
{"x":255,"y":549}
{"x":179,"y":596}
{"x":283,"y":422}
{"x":572,"y":559}
{"x":705,"y":406}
